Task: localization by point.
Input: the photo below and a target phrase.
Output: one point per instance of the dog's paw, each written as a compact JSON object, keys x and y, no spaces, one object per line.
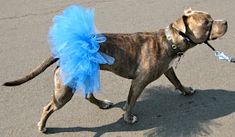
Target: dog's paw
{"x":188,"y":91}
{"x":40,"y":128}
{"x":43,"y":130}
{"x":106,"y":104}
{"x":130,"y":118}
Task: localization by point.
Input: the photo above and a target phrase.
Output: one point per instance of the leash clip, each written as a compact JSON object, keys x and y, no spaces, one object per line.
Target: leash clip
{"x":220,"y":55}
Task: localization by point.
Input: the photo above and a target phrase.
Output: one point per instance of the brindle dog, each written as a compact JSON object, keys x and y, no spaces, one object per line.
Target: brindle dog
{"x":142,"y":57}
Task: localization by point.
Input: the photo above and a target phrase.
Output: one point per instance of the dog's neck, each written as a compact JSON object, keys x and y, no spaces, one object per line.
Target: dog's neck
{"x":177,"y":43}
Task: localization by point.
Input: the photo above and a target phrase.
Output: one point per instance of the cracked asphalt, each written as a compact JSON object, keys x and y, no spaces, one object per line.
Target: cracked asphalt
{"x":162,"y":111}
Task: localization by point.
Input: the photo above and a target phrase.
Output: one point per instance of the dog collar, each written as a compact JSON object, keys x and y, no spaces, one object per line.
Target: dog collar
{"x":175,"y":50}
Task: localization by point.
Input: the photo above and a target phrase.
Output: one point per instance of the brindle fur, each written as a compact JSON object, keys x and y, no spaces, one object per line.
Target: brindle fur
{"x":142,"y":57}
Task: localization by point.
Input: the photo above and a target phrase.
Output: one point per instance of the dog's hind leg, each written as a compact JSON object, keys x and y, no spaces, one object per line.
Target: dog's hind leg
{"x":62,"y":95}
{"x":47,"y":111}
{"x":102,"y":104}
{"x":170,"y":74}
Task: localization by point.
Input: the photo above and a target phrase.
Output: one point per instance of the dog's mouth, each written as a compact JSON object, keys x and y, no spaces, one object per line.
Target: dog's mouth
{"x":221,"y":38}
{"x":218,"y":29}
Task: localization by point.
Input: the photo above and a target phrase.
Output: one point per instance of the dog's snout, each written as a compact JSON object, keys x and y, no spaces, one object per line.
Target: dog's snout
{"x":225,"y":22}
{"x":226,"y":26}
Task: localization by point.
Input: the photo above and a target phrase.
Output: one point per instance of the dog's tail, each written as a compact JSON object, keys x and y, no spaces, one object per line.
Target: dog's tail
{"x":42,"y":67}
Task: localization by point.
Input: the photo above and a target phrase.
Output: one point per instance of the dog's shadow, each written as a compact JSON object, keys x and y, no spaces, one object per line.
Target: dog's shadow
{"x":164,"y":112}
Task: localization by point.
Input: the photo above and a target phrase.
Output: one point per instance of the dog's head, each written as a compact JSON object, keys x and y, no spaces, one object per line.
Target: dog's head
{"x":200,"y":26}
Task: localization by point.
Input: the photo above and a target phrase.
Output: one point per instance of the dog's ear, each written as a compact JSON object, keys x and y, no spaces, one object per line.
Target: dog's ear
{"x":185,"y":21}
{"x":184,"y":17}
{"x":188,"y":11}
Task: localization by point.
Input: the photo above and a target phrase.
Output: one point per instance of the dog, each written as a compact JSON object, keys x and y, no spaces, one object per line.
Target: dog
{"x":142,"y":57}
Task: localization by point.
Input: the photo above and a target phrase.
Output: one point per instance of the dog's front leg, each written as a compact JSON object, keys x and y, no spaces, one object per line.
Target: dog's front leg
{"x":136,"y":89}
{"x":170,"y":74}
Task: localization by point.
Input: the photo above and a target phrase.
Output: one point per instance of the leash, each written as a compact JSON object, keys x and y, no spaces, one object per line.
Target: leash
{"x":220,"y":55}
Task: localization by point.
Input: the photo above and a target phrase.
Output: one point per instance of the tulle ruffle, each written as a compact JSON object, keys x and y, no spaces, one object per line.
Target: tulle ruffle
{"x":75,"y":42}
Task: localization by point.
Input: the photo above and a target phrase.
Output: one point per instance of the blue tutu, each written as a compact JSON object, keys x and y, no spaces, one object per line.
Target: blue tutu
{"x":75,"y":42}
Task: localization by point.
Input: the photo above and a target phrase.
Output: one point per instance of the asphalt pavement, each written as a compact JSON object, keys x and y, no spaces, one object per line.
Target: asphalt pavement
{"x":162,"y":111}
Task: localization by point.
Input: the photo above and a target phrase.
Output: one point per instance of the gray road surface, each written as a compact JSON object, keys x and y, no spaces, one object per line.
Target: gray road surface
{"x":162,"y":112}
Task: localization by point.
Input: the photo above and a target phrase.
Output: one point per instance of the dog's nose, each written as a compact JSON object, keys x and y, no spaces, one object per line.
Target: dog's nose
{"x":225,"y":22}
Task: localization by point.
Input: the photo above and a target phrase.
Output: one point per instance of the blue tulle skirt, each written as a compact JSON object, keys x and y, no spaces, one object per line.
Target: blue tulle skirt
{"x":74,"y":40}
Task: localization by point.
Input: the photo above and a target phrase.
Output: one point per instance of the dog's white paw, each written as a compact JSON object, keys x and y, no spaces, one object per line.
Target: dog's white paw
{"x":187,"y":91}
{"x":106,"y":104}
{"x":130,"y":118}
{"x":43,"y":130}
{"x":39,"y":124}
{"x":40,"y":128}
